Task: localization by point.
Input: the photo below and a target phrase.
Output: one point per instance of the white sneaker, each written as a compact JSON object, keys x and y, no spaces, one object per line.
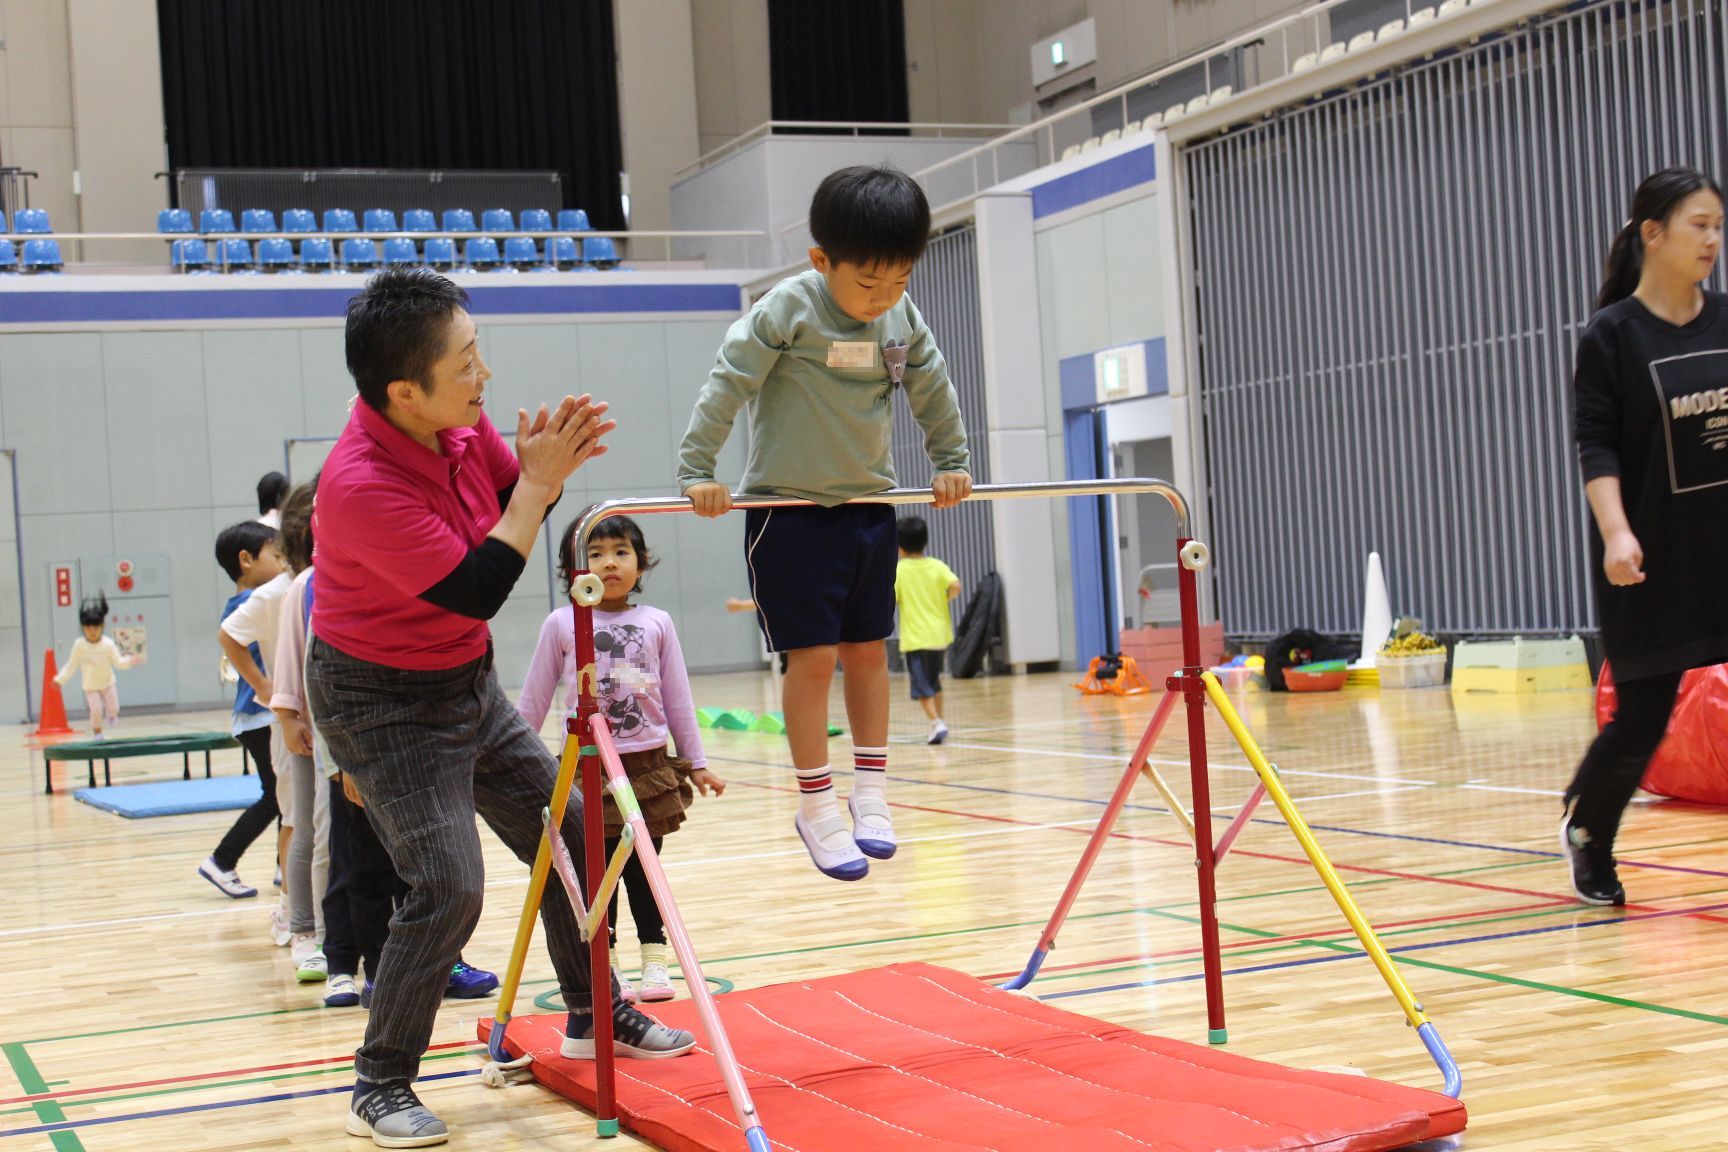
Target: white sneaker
{"x":226,"y":879}
{"x":280,"y":933}
{"x":938,"y":733}
{"x":341,"y":992}
{"x":872,"y":826}
{"x":309,"y":962}
{"x":626,"y":990}
{"x":656,"y":981}
{"x":831,"y":848}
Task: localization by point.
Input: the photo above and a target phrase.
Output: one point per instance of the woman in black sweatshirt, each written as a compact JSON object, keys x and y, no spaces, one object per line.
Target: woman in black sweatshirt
{"x":1651,"y":388}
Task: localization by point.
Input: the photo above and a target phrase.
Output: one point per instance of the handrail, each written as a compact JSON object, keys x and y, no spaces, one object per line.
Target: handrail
{"x":1127,"y":486}
{"x":830,"y":127}
{"x":358,"y":234}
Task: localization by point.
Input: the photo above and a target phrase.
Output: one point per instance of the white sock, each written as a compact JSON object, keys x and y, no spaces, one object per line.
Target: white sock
{"x":816,"y":799}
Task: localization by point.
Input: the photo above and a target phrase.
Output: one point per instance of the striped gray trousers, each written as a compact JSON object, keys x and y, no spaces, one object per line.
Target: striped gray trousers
{"x":429,"y":750}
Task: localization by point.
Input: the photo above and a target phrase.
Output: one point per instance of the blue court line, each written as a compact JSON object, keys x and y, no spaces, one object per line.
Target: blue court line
{"x":160,"y":1112}
{"x":1638,"y":916}
{"x":1537,"y":853}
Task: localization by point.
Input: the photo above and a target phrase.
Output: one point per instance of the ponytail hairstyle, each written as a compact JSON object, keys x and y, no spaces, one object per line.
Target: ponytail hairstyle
{"x":1656,"y":199}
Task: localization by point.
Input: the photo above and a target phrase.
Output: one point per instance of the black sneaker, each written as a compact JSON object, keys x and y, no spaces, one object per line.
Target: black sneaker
{"x":634,"y":1037}
{"x":394,"y":1117}
{"x":1593,"y":876}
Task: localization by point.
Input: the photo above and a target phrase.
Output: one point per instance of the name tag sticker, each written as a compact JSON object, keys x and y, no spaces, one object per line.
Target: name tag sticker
{"x":852,"y":354}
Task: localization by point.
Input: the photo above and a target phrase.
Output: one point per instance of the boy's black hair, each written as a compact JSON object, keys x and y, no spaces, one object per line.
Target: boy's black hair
{"x":611,"y":528}
{"x":93,"y":612}
{"x":297,"y":525}
{"x":869,"y":216}
{"x":248,"y":536}
{"x":913,"y":533}
{"x":272,"y":488}
{"x":396,"y":329}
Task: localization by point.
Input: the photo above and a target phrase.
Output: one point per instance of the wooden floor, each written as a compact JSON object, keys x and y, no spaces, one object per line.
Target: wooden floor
{"x":143,"y":1011}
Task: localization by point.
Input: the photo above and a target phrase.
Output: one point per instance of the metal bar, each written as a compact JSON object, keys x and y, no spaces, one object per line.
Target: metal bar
{"x":594,"y":845}
{"x":1191,"y":685}
{"x":23,"y":599}
{"x":1241,"y":821}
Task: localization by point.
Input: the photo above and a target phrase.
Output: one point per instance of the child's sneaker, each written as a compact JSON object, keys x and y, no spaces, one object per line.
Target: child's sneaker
{"x":1595,"y":879}
{"x":226,"y":879}
{"x":831,"y":849}
{"x":469,"y":983}
{"x":626,"y":990}
{"x":938,"y":733}
{"x":280,"y":933}
{"x":341,"y":992}
{"x":872,"y":827}
{"x":393,"y":1116}
{"x":656,"y":981}
{"x":634,"y":1036}
{"x":366,"y":996}
{"x":309,"y":962}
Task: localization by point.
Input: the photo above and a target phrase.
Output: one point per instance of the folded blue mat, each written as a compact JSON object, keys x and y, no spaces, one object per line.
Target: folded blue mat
{"x":174,"y":797}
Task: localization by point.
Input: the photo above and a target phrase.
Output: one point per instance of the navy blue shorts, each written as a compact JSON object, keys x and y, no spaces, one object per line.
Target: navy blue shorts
{"x":925,"y":668}
{"x":822,"y":576}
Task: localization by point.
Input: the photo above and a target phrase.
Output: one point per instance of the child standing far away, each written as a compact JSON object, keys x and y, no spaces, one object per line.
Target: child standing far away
{"x":818,"y":360}
{"x":98,"y":656}
{"x":923,"y":586}
{"x":644,"y":692}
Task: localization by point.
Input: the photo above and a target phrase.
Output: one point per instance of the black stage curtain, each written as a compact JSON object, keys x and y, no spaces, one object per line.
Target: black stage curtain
{"x":838,"y":60}
{"x":454,"y":84}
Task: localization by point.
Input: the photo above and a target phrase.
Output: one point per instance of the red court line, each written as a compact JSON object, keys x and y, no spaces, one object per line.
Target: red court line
{"x":346,"y":1058}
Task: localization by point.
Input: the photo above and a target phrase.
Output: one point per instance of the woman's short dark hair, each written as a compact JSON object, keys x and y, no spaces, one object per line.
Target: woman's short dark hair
{"x":396,"y":329}
{"x":870,"y":215}
{"x":611,"y":528}
{"x":272,"y":487}
{"x":1656,"y":199}
{"x":297,"y":525}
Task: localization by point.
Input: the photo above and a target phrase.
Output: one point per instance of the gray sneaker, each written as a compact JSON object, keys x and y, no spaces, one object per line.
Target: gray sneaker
{"x":634,"y":1037}
{"x":394,"y":1117}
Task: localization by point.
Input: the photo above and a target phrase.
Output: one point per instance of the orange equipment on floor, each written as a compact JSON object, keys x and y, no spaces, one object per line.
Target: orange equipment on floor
{"x":1114,"y":676}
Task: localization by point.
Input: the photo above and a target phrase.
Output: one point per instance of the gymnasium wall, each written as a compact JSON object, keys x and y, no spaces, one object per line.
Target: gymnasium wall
{"x":150,"y":435}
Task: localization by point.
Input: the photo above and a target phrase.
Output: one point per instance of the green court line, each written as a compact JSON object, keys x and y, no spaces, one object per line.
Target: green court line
{"x":176,"y":1024}
{"x":47,"y":1111}
{"x":213,"y":1085}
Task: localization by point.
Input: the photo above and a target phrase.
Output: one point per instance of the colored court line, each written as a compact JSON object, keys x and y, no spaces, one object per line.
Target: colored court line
{"x":50,"y":1113}
{"x":310,"y":1093}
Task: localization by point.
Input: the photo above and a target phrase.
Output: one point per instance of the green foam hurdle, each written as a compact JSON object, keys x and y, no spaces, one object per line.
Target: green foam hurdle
{"x":736,"y":720}
{"x":773,"y":722}
{"x":708,"y":717}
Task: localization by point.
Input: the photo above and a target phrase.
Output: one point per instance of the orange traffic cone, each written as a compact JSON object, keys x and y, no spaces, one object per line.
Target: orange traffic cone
{"x":53,"y":707}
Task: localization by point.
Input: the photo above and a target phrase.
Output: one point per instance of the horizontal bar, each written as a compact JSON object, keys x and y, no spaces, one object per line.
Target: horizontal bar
{"x":1048,"y":490}
{"x":361,"y":234}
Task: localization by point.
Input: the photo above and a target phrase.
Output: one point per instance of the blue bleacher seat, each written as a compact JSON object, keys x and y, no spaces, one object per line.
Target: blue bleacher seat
{"x":536,"y":220}
{"x":32,"y":221}
{"x":497,"y":220}
{"x":521,"y":253}
{"x":573,"y":220}
{"x":237,"y":255}
{"x":600,"y":251}
{"x":562,"y":253}
{"x":458,"y":220}
{"x":41,"y":255}
{"x":215,"y":220}
{"x":316,"y":253}
{"x":190,"y":255}
{"x":276,"y":255}
{"x":359,"y":254}
{"x":441,"y":253}
{"x":339,"y":220}
{"x":400,"y":250}
{"x":481,"y":253}
{"x":8,"y":257}
{"x":419,"y":220}
{"x":257,"y":220}
{"x":172,"y":220}
{"x":380,"y":220}
{"x":299,"y":220}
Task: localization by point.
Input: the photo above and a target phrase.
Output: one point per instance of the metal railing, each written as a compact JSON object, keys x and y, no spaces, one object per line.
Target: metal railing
{"x":832,"y":128}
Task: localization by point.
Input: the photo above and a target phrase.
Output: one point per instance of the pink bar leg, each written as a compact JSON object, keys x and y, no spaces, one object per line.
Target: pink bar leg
{"x":1237,"y":824}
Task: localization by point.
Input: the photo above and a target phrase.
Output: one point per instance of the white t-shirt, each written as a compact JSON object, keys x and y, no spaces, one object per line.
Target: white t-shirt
{"x":257,"y":621}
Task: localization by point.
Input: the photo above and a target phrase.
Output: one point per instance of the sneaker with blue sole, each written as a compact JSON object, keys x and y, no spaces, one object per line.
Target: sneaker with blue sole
{"x":845,"y":862}
{"x":469,"y":983}
{"x":340,"y":991}
{"x":873,"y":831}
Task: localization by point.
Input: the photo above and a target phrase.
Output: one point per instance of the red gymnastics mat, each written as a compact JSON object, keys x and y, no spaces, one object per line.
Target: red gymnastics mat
{"x":915,"y":1056}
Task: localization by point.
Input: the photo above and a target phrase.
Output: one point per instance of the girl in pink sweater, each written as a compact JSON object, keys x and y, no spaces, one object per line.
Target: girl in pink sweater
{"x":644,"y":691}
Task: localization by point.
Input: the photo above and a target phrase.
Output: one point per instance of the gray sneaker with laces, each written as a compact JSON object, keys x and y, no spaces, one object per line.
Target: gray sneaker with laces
{"x":393,"y":1116}
{"x":634,"y":1036}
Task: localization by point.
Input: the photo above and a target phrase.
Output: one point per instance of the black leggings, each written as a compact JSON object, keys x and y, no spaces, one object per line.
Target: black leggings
{"x":263,"y":813}
{"x":1615,"y":763}
{"x":650,"y":928}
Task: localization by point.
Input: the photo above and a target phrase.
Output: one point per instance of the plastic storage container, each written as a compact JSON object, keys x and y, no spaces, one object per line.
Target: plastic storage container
{"x":1424,"y":671}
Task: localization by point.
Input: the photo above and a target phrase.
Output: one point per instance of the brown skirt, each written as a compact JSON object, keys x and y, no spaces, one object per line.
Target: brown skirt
{"x":662,"y":787}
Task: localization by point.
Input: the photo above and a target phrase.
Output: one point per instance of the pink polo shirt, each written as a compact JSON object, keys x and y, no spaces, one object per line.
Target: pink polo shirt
{"x":392,"y":519}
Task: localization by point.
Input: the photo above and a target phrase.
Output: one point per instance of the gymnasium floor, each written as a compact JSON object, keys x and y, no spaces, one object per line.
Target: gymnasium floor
{"x":143,"y":1011}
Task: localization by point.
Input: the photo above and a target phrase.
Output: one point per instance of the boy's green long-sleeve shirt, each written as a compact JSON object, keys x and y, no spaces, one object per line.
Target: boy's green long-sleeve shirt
{"x":820,"y":387}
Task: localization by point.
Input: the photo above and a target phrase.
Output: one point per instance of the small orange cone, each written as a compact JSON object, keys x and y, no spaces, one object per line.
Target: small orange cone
{"x":53,"y":707}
